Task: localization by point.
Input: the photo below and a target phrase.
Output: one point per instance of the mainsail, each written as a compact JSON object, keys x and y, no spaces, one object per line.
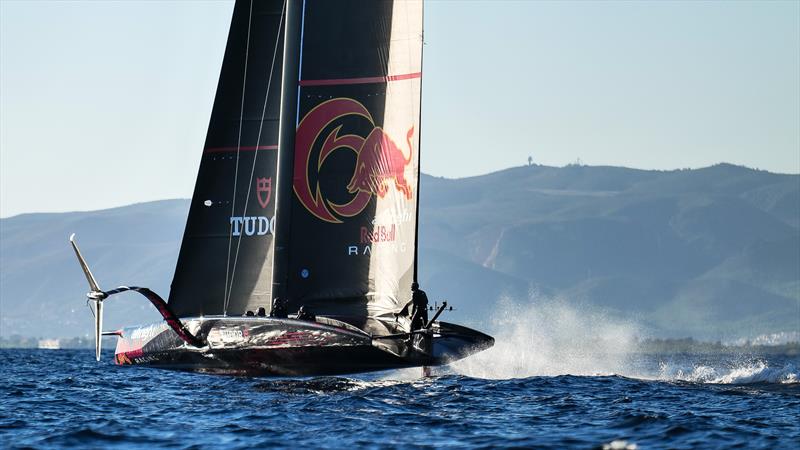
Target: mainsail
{"x":354,"y":100}
{"x":343,"y":106}
{"x":225,"y":261}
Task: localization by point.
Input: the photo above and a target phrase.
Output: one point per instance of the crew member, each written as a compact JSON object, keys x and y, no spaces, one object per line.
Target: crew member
{"x":278,"y":310}
{"x":305,"y":314}
{"x":419,"y":311}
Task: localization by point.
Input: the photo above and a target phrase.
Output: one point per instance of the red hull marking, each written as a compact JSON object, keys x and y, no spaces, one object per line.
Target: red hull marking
{"x":362,"y":80}
{"x":133,"y":354}
{"x":295,"y":337}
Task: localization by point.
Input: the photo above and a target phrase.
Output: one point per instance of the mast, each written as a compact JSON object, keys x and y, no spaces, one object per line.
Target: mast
{"x":292,"y":52}
{"x":419,"y":155}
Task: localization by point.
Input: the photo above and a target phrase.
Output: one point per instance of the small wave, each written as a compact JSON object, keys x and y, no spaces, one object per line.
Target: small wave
{"x":330,"y":385}
{"x":758,"y":372}
{"x":405,"y":375}
{"x":620,"y":445}
{"x":325,"y":385}
{"x":87,"y":435}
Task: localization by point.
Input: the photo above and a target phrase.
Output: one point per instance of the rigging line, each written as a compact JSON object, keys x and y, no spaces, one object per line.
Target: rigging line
{"x":236,"y":170}
{"x":258,"y":141}
{"x":419,"y":145}
{"x":300,"y":61}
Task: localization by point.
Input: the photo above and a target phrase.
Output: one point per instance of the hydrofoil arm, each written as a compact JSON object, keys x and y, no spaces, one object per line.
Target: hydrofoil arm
{"x":97,"y":296}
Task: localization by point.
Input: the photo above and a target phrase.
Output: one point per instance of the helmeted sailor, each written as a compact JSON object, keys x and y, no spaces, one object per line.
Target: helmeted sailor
{"x":419,"y":307}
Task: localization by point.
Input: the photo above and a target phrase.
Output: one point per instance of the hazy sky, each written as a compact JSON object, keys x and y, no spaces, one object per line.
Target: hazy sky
{"x":106,"y":103}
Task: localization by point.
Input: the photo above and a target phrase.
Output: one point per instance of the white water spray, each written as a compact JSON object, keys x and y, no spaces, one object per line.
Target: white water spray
{"x":551,"y":337}
{"x":748,"y":373}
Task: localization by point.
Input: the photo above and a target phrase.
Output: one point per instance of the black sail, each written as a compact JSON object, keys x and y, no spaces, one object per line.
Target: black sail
{"x":225,"y":261}
{"x":347,"y":231}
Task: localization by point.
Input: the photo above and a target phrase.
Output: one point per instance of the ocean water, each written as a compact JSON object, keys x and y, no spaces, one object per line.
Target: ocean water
{"x":56,"y":399}
{"x":558,"y":376}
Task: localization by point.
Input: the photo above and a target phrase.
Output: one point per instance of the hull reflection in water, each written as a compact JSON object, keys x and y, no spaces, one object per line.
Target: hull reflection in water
{"x":287,"y":347}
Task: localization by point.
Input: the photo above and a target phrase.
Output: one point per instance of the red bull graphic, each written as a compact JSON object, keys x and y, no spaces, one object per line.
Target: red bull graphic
{"x":380,"y":162}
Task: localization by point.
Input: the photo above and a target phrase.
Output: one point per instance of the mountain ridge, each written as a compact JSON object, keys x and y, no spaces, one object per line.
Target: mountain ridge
{"x":710,"y":253}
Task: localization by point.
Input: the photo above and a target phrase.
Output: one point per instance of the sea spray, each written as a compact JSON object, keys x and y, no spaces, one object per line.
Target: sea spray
{"x":756,"y":372}
{"x":553,"y":337}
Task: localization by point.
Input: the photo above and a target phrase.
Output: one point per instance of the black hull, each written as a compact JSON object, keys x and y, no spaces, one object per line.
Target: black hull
{"x":263,"y":346}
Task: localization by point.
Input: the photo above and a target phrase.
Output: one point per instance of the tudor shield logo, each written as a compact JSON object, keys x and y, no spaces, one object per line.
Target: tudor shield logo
{"x":381,"y":164}
{"x":263,"y":191}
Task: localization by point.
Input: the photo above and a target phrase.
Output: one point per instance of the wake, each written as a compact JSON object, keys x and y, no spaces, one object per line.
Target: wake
{"x":549,"y":337}
{"x":754,"y":373}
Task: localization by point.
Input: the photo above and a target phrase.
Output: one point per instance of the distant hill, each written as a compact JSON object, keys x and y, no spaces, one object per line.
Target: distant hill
{"x":709,"y":253}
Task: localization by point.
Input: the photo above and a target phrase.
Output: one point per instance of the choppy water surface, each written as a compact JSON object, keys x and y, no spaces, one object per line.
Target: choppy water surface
{"x":557,"y":376}
{"x":66,"y":399}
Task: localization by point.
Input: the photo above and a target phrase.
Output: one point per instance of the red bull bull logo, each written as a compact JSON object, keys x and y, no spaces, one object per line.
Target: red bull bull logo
{"x":380,"y":163}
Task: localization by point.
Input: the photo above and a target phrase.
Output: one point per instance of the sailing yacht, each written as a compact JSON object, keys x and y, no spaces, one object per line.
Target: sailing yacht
{"x":301,"y":242}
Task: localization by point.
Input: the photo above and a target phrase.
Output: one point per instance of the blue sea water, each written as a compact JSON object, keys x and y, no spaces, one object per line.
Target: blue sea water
{"x":56,"y":399}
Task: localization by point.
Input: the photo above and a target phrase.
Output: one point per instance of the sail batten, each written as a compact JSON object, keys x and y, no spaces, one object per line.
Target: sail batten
{"x":245,"y":148}
{"x":361,"y":80}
